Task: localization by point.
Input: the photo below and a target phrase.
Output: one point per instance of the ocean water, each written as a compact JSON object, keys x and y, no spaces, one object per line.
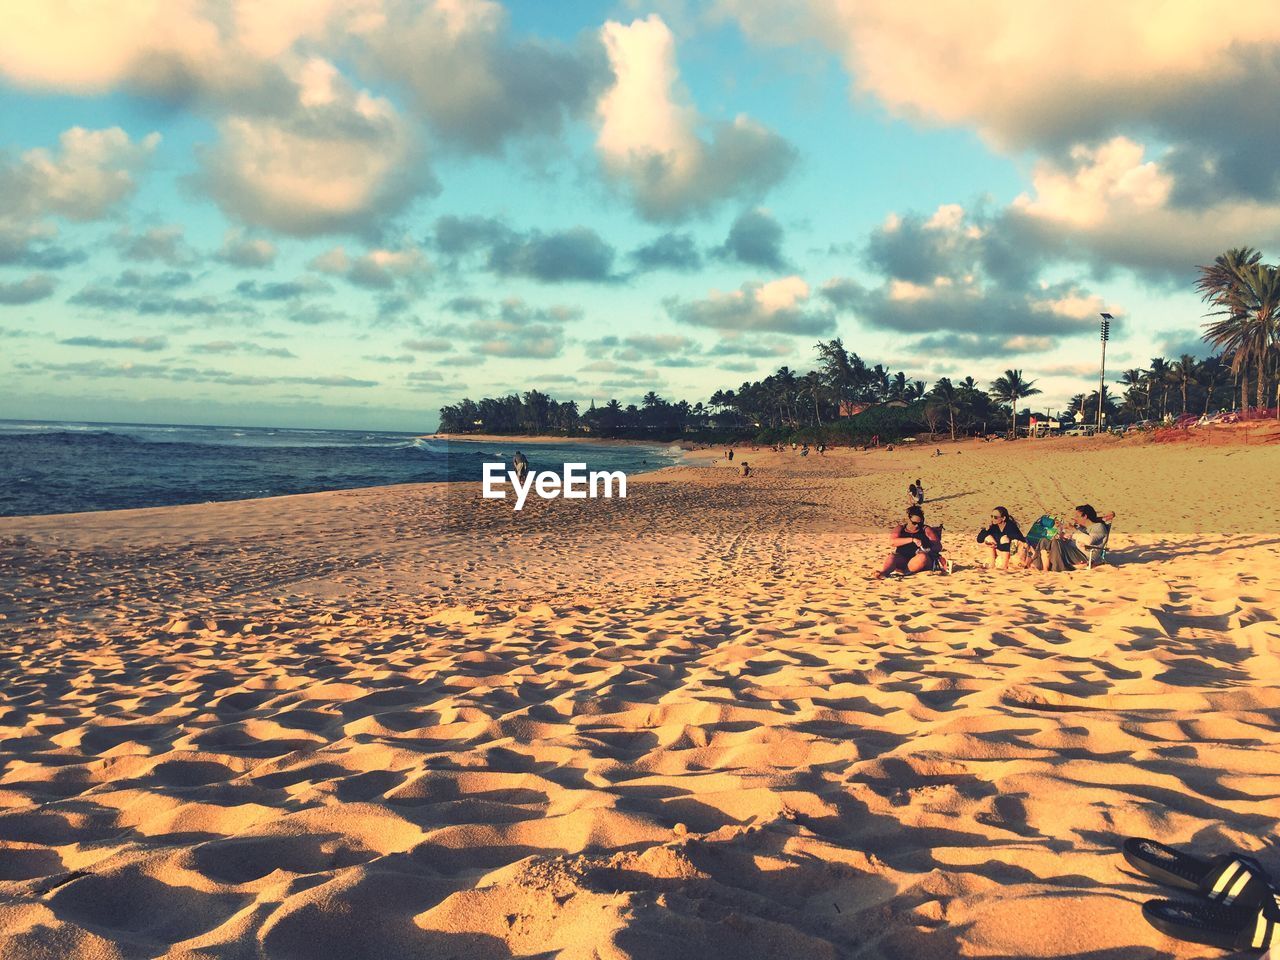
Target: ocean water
{"x":71,"y":467}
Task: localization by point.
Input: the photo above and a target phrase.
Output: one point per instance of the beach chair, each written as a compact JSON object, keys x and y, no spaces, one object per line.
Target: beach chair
{"x":943,"y":561}
{"x":1099,"y":554}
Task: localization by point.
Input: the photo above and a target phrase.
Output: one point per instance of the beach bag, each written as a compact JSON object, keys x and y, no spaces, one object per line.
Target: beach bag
{"x":1043,"y":529}
{"x":941,"y":561}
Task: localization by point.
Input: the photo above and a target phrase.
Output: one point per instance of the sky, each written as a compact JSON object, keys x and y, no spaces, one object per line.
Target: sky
{"x":346,"y":214}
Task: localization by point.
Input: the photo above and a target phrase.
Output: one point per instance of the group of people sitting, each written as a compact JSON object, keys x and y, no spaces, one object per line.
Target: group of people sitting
{"x":1050,"y":544}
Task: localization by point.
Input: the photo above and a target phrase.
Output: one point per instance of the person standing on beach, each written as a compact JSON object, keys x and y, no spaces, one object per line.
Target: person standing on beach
{"x":520,"y":464}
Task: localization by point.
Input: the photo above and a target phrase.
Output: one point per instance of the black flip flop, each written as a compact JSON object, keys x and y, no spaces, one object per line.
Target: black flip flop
{"x":1229,"y":880}
{"x":1215,"y":926}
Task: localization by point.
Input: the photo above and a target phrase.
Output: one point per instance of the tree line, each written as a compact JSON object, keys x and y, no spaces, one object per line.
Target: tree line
{"x":846,"y":399}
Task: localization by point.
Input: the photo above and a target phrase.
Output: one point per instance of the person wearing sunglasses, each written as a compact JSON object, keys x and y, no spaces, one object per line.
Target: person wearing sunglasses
{"x":999,"y":538}
{"x":915,"y":546}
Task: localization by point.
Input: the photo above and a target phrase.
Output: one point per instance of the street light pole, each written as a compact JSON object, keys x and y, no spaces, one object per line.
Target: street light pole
{"x":1102,"y":370}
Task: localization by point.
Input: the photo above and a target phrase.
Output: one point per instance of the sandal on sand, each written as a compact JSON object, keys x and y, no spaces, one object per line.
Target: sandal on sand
{"x":1232,"y":880}
{"x":1223,"y":927}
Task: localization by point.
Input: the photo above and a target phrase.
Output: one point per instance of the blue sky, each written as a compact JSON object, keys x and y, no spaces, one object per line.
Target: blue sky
{"x":343,"y":215}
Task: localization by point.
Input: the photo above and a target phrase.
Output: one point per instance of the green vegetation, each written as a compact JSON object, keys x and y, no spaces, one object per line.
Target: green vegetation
{"x":845,"y":401}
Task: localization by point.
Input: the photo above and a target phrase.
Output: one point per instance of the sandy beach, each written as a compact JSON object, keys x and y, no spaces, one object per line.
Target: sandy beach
{"x":407,"y":723}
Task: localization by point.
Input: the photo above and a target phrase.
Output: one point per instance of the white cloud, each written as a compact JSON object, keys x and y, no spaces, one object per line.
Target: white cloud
{"x":38,"y":286}
{"x":1032,"y":71}
{"x":93,"y":47}
{"x":239,"y":250}
{"x":780,"y":306}
{"x":90,"y":173}
{"x":1085,"y":84}
{"x":340,"y":160}
{"x":1111,"y":205}
{"x":163,"y":243}
{"x":1112,"y":175}
{"x":649,"y":137}
{"x":475,"y":85}
{"x":377,"y":269}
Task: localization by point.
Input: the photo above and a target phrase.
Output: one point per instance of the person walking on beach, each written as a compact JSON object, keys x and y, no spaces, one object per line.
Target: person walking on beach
{"x":520,"y":464}
{"x":1000,"y":536}
{"x":915,"y":546}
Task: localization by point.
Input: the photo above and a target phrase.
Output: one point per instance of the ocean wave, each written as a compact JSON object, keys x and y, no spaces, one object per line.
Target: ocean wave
{"x":76,"y":436}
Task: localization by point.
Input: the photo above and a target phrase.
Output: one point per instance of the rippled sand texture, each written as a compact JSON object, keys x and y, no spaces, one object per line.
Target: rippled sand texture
{"x":380,"y":724}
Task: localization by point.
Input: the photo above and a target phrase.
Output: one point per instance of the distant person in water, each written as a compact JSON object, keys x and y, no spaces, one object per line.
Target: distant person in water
{"x":915,"y":546}
{"x":520,"y":464}
{"x":1000,"y":536}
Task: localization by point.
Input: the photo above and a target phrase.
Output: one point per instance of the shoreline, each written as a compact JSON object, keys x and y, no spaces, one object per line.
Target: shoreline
{"x":687,"y":459}
{"x":684,"y":445}
{"x":704,"y":457}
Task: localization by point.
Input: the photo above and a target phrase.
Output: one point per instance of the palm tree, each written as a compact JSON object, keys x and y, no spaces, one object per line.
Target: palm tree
{"x":1158,"y":375}
{"x":1247,"y":325}
{"x":845,"y":372}
{"x":787,"y":386}
{"x":1246,"y":295}
{"x":811,"y":385}
{"x":1185,"y":372}
{"x":947,"y":397}
{"x":1210,"y":371}
{"x":898,"y":386}
{"x":1088,"y":406}
{"x":878,"y":381}
{"x":1011,"y":388}
{"x":1136,"y":381}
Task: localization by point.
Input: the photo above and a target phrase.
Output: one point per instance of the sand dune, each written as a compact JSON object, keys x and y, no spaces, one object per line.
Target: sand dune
{"x":406,"y":723}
